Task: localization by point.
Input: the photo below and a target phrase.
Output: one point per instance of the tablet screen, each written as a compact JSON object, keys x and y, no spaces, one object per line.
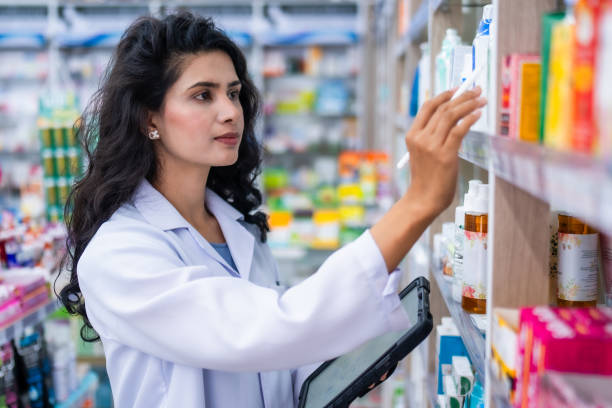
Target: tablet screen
{"x":347,"y":368}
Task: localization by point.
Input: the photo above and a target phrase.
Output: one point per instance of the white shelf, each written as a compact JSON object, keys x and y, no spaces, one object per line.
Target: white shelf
{"x":577,"y":183}
{"x":472,"y":337}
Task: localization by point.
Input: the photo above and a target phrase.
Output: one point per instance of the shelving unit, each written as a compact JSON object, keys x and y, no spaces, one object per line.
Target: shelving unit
{"x":526,"y":180}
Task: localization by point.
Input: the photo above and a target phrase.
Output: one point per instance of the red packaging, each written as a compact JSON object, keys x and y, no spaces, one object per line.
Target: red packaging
{"x":551,"y":339}
{"x":588,"y":14}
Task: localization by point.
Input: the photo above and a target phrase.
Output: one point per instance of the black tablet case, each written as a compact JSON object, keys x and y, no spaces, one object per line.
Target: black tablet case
{"x":387,"y":362}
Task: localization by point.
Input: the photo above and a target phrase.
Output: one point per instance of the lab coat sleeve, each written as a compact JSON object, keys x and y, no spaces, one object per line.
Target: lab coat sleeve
{"x":138,"y":292}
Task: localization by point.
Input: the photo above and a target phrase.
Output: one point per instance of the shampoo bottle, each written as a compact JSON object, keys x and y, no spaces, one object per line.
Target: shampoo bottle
{"x":474,"y":296}
{"x":459,"y":238}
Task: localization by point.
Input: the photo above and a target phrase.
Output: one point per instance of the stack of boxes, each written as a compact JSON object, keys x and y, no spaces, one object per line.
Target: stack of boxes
{"x":61,"y":158}
{"x":456,"y":385}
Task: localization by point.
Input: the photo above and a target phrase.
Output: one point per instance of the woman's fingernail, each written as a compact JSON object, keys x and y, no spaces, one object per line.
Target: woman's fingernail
{"x":482,"y":100}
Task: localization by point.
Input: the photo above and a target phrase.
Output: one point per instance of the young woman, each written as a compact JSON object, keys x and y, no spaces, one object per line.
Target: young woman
{"x":168,"y":257}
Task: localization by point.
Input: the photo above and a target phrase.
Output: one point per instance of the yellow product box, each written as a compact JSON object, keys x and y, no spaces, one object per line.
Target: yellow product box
{"x":558,"y":118}
{"x":504,"y":341}
{"x":520,"y":112}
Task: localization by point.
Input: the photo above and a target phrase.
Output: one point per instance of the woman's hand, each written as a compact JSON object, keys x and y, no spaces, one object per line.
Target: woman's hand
{"x":434,"y":140}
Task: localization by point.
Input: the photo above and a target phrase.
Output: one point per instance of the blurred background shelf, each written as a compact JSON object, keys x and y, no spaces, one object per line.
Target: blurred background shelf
{"x":34,"y":316}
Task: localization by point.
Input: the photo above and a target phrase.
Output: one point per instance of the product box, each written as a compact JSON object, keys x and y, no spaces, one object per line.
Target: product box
{"x":463,"y":375}
{"x":449,"y":344}
{"x":584,"y":135}
{"x":559,"y":96}
{"x":520,"y":113}
{"x":562,"y":340}
{"x":548,"y":21}
{"x":504,"y":341}
{"x":504,"y":345}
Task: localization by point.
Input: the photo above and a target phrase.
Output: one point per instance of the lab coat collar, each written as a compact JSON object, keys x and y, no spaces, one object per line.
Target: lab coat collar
{"x":158,"y":211}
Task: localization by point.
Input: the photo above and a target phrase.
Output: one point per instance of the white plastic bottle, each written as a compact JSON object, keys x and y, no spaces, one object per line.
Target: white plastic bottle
{"x":474,"y":296}
{"x":424,"y":75}
{"x":443,"y":60}
{"x":480,"y":57}
{"x":459,"y":237}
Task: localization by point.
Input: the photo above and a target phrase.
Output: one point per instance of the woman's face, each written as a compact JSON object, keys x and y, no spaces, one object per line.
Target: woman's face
{"x":200,"y":122}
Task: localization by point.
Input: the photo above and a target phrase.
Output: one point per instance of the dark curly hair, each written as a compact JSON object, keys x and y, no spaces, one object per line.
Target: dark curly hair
{"x":145,"y":64}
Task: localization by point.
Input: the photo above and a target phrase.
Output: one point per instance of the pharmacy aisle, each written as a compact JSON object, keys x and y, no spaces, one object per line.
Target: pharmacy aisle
{"x":521,"y":261}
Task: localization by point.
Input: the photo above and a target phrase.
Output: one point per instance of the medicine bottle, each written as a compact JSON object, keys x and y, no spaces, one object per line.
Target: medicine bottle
{"x":578,"y":253}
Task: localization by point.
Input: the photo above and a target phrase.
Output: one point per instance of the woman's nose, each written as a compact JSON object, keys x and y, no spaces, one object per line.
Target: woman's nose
{"x":228,"y":110}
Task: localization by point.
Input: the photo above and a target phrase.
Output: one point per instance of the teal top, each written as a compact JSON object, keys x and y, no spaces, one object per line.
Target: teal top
{"x":225,"y":253}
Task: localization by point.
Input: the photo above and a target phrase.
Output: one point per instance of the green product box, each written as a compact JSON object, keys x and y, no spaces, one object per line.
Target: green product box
{"x":61,"y":162}
{"x":57,"y":135}
{"x":53,"y":214}
{"x":63,"y":189}
{"x":48,"y":162}
{"x":46,"y":142}
{"x":74,"y":162}
{"x":51,"y":192}
{"x":548,"y":22}
{"x":70,"y":137}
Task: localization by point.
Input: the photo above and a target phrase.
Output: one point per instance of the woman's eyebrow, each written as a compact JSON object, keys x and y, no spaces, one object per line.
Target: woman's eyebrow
{"x":207,"y":84}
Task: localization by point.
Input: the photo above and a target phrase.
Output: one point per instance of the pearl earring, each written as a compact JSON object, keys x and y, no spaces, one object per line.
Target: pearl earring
{"x":154,"y":134}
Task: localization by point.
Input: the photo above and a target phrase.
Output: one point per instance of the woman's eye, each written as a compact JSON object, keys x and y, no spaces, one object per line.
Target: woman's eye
{"x":204,"y":96}
{"x":234,"y":95}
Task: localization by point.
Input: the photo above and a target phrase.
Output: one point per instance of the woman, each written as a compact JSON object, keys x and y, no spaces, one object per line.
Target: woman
{"x":168,"y":257}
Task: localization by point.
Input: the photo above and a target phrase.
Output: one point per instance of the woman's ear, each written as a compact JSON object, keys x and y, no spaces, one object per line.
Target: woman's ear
{"x":152,"y":129}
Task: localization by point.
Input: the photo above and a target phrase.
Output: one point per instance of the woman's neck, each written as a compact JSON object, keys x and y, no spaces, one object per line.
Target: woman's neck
{"x":185,"y":189}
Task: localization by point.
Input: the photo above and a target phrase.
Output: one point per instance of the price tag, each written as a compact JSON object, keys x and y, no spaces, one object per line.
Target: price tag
{"x":17,"y":328}
{"x":41,"y":314}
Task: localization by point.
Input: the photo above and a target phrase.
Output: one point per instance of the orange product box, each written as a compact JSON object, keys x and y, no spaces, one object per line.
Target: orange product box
{"x":584,"y":135}
{"x":520,"y":108}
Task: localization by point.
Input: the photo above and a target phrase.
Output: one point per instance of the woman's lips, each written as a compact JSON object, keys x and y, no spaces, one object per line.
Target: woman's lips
{"x":230,"y":139}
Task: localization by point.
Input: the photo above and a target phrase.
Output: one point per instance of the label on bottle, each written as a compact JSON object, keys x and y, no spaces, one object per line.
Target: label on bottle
{"x":458,"y":259}
{"x":578,"y":267}
{"x":475,"y":265}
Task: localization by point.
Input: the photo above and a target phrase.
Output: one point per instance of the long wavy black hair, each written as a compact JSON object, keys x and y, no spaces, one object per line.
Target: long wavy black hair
{"x":113,"y":131}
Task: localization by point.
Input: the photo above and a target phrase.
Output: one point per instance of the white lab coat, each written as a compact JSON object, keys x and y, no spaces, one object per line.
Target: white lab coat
{"x":168,"y":310}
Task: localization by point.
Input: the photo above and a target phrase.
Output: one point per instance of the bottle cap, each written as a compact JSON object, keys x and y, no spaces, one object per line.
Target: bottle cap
{"x":487,"y":12}
{"x":470,"y":196}
{"x":481,"y":203}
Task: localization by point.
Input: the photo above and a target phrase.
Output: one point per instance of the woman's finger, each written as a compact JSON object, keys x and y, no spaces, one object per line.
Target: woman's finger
{"x":455,"y":114}
{"x":455,"y":137}
{"x":429,"y":108}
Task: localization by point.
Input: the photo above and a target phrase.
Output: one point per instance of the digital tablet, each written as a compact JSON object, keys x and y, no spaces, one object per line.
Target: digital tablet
{"x":336,"y":383}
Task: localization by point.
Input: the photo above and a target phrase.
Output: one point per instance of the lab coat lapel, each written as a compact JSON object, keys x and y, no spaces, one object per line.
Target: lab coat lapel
{"x":240,"y":241}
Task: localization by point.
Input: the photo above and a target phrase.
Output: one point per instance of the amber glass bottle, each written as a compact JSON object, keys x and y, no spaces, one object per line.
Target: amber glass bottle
{"x":578,"y":263}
